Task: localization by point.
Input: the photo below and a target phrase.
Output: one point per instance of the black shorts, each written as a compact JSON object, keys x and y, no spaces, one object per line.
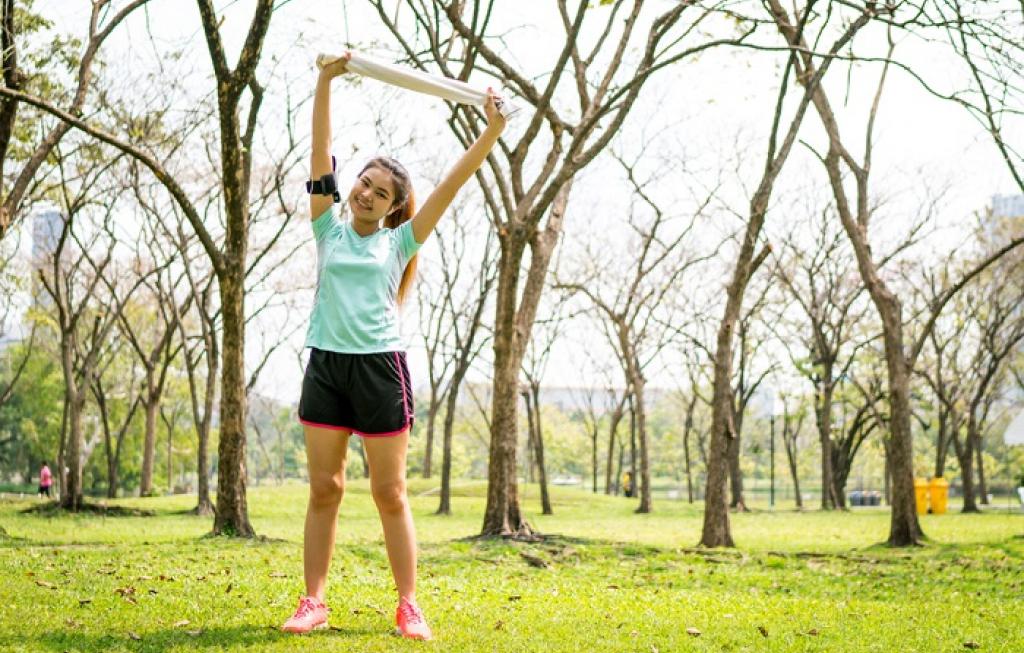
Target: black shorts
{"x":368,"y":394}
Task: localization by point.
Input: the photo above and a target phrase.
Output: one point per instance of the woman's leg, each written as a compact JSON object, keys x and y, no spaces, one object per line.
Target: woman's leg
{"x":386,"y":458}
{"x":325,"y":459}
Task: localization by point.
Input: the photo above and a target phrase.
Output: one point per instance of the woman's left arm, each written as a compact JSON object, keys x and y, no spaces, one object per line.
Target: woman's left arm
{"x":437,"y":203}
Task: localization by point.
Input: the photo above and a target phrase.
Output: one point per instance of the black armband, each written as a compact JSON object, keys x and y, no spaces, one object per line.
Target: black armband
{"x":325,"y":185}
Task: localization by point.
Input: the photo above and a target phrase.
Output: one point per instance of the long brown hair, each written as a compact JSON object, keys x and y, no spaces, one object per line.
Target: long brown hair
{"x":404,"y":209}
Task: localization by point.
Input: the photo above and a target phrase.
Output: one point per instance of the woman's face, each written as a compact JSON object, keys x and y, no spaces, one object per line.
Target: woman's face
{"x":373,"y":195}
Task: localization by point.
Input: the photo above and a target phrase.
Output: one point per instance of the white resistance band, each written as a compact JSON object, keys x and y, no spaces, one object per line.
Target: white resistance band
{"x":419,"y":81}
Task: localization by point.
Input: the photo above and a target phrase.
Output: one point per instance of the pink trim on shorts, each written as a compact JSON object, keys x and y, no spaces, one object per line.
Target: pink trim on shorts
{"x":355,"y":432}
{"x":324,"y":426}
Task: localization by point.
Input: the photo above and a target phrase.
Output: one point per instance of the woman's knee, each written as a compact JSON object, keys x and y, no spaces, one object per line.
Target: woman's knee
{"x":390,"y":496}
{"x":326,"y":489}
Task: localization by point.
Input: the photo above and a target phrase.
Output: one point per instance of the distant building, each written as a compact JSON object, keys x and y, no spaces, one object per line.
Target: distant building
{"x":1007,"y":206}
{"x":46,"y":230}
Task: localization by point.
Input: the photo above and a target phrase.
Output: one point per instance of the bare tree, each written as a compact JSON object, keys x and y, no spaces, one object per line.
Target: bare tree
{"x":751,"y":372}
{"x":631,"y":313}
{"x":101,"y":23}
{"x":523,"y":194}
{"x":444,"y":308}
{"x":716,"y":530}
{"x":792,"y":422}
{"x":855,"y":215}
{"x":73,"y":282}
{"x":229,"y":259}
{"x":114,"y":429}
{"x":466,"y":314}
{"x":535,"y":363}
{"x":817,"y":278}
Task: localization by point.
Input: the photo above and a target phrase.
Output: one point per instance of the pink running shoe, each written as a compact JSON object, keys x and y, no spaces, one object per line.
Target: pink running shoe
{"x":410,"y":621}
{"x":310,"y":615}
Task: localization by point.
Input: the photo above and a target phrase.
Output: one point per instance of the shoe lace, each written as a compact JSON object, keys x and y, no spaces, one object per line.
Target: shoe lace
{"x":411,"y":613}
{"x":306,"y":605}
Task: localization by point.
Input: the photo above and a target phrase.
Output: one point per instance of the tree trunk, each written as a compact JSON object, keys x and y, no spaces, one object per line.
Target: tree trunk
{"x":232,"y":516}
{"x":645,"y":466}
{"x":149,"y":443}
{"x":982,"y":486}
{"x":716,"y":530}
{"x":62,"y":476}
{"x":632,"y":448}
{"x":791,"y":458}
{"x":887,"y":475}
{"x":736,"y":501}
{"x":428,"y":453}
{"x":445,"y":505}
{"x":823,"y":413}
{"x":611,"y":480}
{"x":941,"y":444}
{"x":529,"y":438}
{"x":512,"y":328}
{"x":618,"y":470}
{"x":204,"y":506}
{"x":538,"y":447}
{"x":687,"y":430}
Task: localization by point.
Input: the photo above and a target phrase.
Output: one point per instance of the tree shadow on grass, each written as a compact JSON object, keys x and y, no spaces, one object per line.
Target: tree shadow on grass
{"x":53,"y":508}
{"x":180,"y":638}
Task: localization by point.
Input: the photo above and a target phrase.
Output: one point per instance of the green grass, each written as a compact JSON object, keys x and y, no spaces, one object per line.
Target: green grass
{"x":615,"y":581}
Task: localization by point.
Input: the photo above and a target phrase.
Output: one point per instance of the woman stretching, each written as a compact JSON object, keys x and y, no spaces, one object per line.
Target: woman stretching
{"x":357,"y":380}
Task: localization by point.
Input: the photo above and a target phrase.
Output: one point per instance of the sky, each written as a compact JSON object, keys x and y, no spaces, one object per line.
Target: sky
{"x":708,"y":116}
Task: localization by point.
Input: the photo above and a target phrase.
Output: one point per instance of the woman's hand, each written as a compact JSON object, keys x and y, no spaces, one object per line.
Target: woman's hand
{"x":331,"y":67}
{"x":491,"y":110}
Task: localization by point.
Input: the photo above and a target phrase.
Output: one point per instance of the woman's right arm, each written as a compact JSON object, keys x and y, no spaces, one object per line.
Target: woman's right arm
{"x":320,"y":157}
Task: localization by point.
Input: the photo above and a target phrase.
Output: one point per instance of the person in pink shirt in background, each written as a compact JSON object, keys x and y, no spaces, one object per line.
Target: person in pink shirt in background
{"x":45,"y":480}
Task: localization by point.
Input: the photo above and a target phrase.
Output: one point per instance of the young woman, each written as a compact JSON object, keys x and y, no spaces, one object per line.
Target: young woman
{"x":357,"y":380}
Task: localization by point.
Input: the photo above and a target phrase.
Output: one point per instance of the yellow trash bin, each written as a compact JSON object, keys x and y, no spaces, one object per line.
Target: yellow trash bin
{"x":921,"y":495}
{"x":938,"y":493}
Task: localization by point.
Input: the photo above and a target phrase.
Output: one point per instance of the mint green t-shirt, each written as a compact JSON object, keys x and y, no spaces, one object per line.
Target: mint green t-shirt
{"x":355,"y":310}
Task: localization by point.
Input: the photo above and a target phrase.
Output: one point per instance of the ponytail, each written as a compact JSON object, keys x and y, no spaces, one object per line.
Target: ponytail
{"x":399,"y":216}
{"x":406,"y":209}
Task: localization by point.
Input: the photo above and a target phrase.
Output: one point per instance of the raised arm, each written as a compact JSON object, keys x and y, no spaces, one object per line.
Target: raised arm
{"x":320,"y":157}
{"x":437,"y":203}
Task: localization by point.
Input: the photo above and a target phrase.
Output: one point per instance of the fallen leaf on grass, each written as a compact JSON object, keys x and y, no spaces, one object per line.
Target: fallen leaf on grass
{"x":972,"y":645}
{"x":134,"y":636}
{"x":228,"y":590}
{"x":498,"y":624}
{"x":535,"y":561}
{"x":813,"y":632}
{"x":693,"y":632}
{"x":613,"y":587}
{"x":763,"y":631}
{"x":43,"y":583}
{"x":194,"y":633}
{"x":278,"y":574}
{"x":183,"y":622}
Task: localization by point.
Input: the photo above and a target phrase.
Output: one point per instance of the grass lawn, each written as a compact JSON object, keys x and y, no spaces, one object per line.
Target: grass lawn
{"x":613,"y":580}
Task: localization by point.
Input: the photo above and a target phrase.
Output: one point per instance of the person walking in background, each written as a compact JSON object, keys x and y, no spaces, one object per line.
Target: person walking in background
{"x":45,"y":480}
